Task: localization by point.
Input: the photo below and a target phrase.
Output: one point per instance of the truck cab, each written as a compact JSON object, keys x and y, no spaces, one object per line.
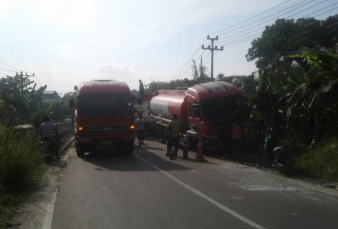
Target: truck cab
{"x":104,"y":118}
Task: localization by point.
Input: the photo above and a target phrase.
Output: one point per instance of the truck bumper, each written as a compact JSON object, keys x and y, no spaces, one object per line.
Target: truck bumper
{"x":91,"y":143}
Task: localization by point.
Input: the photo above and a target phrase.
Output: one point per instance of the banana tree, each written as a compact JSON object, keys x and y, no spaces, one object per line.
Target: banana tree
{"x":313,"y":92}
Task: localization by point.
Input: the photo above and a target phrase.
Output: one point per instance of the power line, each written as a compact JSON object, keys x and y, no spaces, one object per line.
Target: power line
{"x":322,"y":9}
{"x":239,"y":41}
{"x":185,"y":65}
{"x":325,"y":12}
{"x":272,"y":15}
{"x":286,"y":13}
{"x":189,"y":58}
{"x":235,"y":41}
{"x":250,"y":31}
{"x":251,"y":17}
{"x":239,"y":37}
{"x":5,"y":69}
{"x":188,"y":67}
{"x":10,"y":65}
{"x":306,"y":9}
{"x":185,"y":72}
{"x":227,"y":41}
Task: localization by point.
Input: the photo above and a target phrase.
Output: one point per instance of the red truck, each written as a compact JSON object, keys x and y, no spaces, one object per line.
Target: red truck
{"x":104,"y":117}
{"x":207,"y":111}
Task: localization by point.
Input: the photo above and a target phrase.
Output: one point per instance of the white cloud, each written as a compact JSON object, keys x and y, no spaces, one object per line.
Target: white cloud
{"x":66,"y":14}
{"x":76,"y":40}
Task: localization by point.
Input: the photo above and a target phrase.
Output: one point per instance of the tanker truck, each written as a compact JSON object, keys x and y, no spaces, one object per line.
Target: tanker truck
{"x":207,"y":112}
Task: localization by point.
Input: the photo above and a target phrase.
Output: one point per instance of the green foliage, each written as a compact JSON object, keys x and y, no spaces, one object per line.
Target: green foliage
{"x":313,"y":90}
{"x":68,"y":96}
{"x":321,"y":161}
{"x":20,"y":98}
{"x":154,"y":86}
{"x":21,"y":160}
{"x":285,"y":37}
{"x":8,"y":205}
{"x":21,"y":166}
{"x":37,"y":117}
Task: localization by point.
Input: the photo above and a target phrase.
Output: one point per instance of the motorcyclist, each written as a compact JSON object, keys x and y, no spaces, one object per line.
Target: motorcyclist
{"x":47,"y":130}
{"x":271,"y":140}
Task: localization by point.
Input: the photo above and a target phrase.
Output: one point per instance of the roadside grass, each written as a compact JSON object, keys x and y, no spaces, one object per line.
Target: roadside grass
{"x":320,"y":161}
{"x":21,"y":167}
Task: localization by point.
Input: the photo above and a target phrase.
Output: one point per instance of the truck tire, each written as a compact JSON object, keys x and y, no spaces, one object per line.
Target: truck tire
{"x":130,"y":148}
{"x":80,"y":153}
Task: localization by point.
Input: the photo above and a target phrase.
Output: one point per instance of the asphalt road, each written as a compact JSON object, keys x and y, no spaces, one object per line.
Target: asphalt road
{"x":147,"y":190}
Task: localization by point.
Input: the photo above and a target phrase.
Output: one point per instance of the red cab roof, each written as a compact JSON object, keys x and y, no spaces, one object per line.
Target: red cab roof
{"x":214,"y":89}
{"x":103,"y":87}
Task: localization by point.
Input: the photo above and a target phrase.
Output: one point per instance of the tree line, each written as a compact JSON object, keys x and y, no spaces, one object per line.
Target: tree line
{"x":295,"y":85}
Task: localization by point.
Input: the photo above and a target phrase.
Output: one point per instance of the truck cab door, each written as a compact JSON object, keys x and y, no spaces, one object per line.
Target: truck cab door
{"x":195,"y":116}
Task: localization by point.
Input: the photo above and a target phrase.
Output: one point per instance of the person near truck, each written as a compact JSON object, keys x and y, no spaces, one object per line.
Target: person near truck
{"x":141,"y":88}
{"x":47,"y":130}
{"x":140,"y":127}
{"x":173,"y":130}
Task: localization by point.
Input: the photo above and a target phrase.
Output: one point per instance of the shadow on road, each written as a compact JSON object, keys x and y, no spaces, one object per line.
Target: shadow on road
{"x":123,"y":163}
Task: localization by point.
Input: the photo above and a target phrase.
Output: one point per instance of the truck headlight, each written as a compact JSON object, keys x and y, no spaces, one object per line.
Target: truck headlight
{"x":79,"y":128}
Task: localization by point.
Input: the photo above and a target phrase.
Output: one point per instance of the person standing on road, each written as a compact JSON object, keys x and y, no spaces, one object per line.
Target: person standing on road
{"x":141,"y":88}
{"x":140,"y":126}
{"x":173,"y":130}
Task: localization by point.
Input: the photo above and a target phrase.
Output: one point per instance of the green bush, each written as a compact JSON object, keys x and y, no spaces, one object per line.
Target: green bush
{"x":21,"y":160}
{"x":321,"y":161}
{"x":21,"y":165}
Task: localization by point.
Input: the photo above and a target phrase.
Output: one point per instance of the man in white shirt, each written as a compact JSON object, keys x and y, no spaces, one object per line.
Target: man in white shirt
{"x":140,"y":125}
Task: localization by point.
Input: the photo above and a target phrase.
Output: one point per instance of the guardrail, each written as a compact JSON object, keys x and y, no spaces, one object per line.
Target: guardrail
{"x":64,"y":128}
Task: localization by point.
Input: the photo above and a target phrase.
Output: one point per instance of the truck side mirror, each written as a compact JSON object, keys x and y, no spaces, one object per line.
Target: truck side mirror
{"x":71,"y":103}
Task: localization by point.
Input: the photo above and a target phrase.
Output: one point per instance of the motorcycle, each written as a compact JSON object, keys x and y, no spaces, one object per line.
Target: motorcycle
{"x":283,"y":161}
{"x":50,"y":146}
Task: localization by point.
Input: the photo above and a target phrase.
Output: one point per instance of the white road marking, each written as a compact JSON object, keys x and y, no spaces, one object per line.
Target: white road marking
{"x":219,"y":205}
{"x":47,"y":222}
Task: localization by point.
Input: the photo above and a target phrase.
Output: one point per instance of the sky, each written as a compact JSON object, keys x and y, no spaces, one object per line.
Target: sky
{"x":65,"y":42}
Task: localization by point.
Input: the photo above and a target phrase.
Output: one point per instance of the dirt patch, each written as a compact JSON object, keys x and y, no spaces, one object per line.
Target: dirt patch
{"x":31,"y":213}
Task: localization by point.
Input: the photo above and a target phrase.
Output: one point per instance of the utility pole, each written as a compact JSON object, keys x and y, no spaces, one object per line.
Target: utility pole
{"x":212,"y":49}
{"x":21,"y":80}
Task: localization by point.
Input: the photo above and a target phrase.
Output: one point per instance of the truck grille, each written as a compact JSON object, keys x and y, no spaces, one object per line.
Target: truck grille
{"x":107,"y":129}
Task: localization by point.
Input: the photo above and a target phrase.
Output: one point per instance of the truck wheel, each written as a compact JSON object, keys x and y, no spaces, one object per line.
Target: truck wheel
{"x":80,"y":153}
{"x":130,"y":148}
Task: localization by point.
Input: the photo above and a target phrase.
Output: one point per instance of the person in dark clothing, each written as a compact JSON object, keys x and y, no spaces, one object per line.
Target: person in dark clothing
{"x":48,"y":130}
{"x":141,"y":88}
{"x":173,"y":129}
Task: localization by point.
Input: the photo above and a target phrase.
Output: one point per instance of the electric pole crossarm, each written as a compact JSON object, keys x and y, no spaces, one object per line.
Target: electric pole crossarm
{"x":212,"y":49}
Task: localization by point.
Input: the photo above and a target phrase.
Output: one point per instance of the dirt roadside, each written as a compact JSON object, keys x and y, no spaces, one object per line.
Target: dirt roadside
{"x":31,"y":214}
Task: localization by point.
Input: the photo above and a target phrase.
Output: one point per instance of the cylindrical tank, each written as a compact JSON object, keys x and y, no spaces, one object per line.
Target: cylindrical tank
{"x":169,"y":102}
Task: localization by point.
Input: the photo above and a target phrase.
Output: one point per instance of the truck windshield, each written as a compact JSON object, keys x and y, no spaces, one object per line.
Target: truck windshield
{"x":104,"y":105}
{"x":220,"y":109}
